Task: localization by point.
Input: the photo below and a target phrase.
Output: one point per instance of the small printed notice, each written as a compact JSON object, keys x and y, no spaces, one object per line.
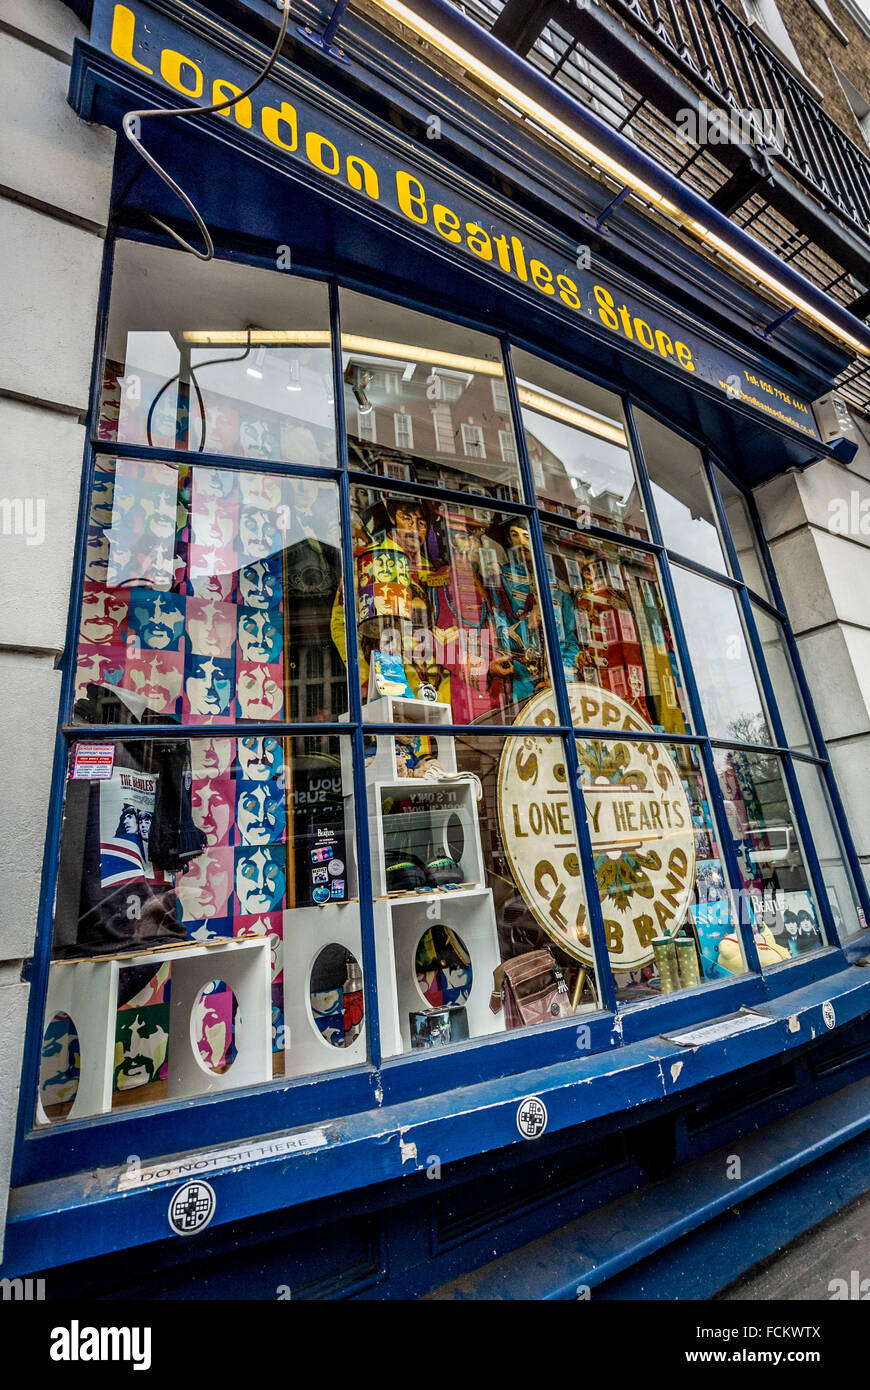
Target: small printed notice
{"x":92,"y":762}
{"x":715,"y":1032}
{"x":194,"y":1165}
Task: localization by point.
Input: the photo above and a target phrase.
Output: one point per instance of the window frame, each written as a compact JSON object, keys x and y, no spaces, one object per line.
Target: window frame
{"x":286,"y":1103}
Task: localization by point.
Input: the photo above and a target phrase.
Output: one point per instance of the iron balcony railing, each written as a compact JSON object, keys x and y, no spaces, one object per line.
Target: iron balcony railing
{"x":644,"y":65}
{"x":712,"y":47}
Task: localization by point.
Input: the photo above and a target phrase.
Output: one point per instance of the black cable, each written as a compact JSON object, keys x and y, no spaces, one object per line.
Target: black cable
{"x":132,"y":121}
{"x":200,"y":366}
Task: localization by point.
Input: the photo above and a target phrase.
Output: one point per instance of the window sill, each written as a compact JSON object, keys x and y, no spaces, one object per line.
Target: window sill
{"x":395,"y":1142}
{"x":831,"y":22}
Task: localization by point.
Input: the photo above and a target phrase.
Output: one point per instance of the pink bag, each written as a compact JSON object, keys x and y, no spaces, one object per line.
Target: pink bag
{"x":532,"y":989}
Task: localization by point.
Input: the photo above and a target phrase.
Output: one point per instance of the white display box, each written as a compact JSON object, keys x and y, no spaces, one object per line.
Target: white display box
{"x":87,"y":991}
{"x":440,"y":819}
{"x":399,"y":925}
{"x":399,"y":710}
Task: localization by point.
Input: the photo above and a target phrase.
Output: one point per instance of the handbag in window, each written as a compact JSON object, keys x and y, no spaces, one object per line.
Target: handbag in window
{"x":532,"y":989}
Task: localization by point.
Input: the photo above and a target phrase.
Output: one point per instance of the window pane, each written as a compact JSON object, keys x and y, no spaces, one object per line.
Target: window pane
{"x":681,"y":494}
{"x":778,"y":899}
{"x":425,"y":400}
{"x":206,"y":921}
{"x":667,"y":910}
{"x":781,"y":672}
{"x":207,"y":591}
{"x":744,"y":537}
{"x":447,"y":605}
{"x":720,"y":658}
{"x":577,"y":447}
{"x":185,"y":368}
{"x":845,"y":906}
{"x":477,"y":884}
{"x":613,"y":629}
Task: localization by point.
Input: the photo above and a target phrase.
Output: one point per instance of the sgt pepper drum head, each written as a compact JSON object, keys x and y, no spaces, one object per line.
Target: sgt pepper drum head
{"x":639,"y":820}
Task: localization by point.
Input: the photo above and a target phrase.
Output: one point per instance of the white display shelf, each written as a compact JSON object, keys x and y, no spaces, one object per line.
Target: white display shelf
{"x":87,"y":991}
{"x":442,"y":817}
{"x":399,"y":710}
{"x":399,"y":925}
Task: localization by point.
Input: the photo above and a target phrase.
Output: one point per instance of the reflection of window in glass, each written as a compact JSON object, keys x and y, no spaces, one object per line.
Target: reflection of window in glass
{"x":472,"y":441}
{"x":577,"y":447}
{"x":778,"y":899}
{"x":443,"y":423}
{"x":404,"y":430}
{"x":226,"y":841}
{"x":205,"y":589}
{"x":184,"y":370}
{"x":719,"y":654}
{"x":433,"y":373}
{"x":508,"y":445}
{"x":613,"y":629}
{"x":681,"y":493}
{"x":840,"y":885}
{"x":367,"y":426}
{"x":743,"y":536}
{"x":447,"y":605}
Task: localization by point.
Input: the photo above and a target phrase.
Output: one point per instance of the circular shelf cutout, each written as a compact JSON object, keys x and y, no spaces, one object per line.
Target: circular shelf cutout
{"x":335,"y":996}
{"x":60,"y":1067}
{"x":442,"y":964}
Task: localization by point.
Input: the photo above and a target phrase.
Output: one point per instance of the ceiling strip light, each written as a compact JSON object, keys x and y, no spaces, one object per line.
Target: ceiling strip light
{"x":408,"y":352}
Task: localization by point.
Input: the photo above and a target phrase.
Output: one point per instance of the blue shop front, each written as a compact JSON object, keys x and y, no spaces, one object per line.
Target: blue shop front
{"x":446,"y":884}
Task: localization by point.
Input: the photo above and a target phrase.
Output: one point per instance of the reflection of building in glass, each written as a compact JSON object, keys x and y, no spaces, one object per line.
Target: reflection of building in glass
{"x":434,"y":423}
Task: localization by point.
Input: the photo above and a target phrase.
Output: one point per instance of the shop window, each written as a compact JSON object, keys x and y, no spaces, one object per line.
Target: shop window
{"x":681,"y":493}
{"x":448,"y":382}
{"x":726,"y":678}
{"x":577,"y":446}
{"x":668,"y":913}
{"x":658,"y":866}
{"x":778,"y":898}
{"x":839,"y":884}
{"x":479,"y":904}
{"x":198,"y":878}
{"x":779,"y":668}
{"x":447,"y":605}
{"x":207,"y":593}
{"x":217,"y":358}
{"x":744,"y":537}
{"x":208,"y":932}
{"x":614,"y":632}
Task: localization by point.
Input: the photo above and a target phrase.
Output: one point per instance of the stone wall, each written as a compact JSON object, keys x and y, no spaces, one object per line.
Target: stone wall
{"x":55,"y":180}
